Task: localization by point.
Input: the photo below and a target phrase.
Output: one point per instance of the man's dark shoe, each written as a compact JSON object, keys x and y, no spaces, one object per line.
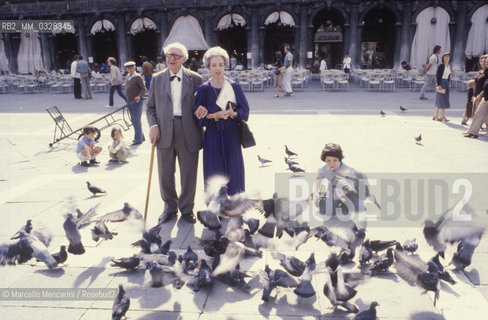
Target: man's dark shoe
{"x":94,"y":161}
{"x":472,"y":136}
{"x":84,"y":164}
{"x":166,"y":216}
{"x":189,"y":217}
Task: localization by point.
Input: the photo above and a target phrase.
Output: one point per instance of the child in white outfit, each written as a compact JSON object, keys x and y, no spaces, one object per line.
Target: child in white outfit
{"x":118,"y":150}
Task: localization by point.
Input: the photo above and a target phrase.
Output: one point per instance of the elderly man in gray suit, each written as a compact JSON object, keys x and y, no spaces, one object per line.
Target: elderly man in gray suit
{"x":175,"y":132}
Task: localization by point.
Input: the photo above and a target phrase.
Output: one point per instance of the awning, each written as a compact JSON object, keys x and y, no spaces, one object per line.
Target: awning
{"x":187,"y":30}
{"x":225,"y":21}
{"x":478,"y":34}
{"x":285,"y":18}
{"x":29,"y":58}
{"x":142,"y":24}
{"x":3,"y":56}
{"x":97,"y":26}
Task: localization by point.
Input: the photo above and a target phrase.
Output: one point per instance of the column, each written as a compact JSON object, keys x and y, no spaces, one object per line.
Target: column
{"x":354,"y":38}
{"x":45,"y":51}
{"x":209,"y":30}
{"x":249,"y":45}
{"x":302,"y":45}
{"x":261,"y":32}
{"x":311,"y":42}
{"x":163,"y":28}
{"x":254,"y":40}
{"x":404,"y":40}
{"x":359,"y":37}
{"x":398,"y":35}
{"x":122,"y":39}
{"x":347,"y":37}
{"x":82,"y":38}
{"x":458,"y":56}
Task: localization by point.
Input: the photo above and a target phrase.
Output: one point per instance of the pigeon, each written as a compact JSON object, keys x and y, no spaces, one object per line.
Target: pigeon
{"x":165,"y":247}
{"x":40,"y":232}
{"x":290,"y":153}
{"x":85,"y":219}
{"x":462,"y":257}
{"x":151,"y":241}
{"x":418,"y":139}
{"x":156,"y":275}
{"x":383,"y":263}
{"x":189,"y":255}
{"x":126,"y":263}
{"x":161,"y":259}
{"x":382,"y":113}
{"x":220,"y":204}
{"x":209,"y":219}
{"x":39,"y":250}
{"x":354,"y":183}
{"x":236,"y":278}
{"x":292,"y":265}
{"x":263,"y":161}
{"x":16,"y":253}
{"x":365,"y":253}
{"x":123,"y":214}
{"x":100,"y":230}
{"x":403,"y":109}
{"x":443,"y":274}
{"x":93,"y":189}
{"x":205,"y":276}
{"x":290,"y":162}
{"x":61,"y":256}
{"x":369,"y":314}
{"x":121,"y":304}
{"x":379,"y":245}
{"x":445,"y":231}
{"x":253,"y":225}
{"x":295,"y":169}
{"x":73,"y":235}
{"x":305,"y":288}
{"x":339,"y":288}
{"x":271,"y":279}
{"x":415,"y":271}
{"x":410,"y":245}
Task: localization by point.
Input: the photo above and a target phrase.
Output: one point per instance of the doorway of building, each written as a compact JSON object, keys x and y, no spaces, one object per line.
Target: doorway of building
{"x":65,"y":46}
{"x":276,"y":35}
{"x":328,"y":30}
{"x":104,"y":46}
{"x":234,"y":41}
{"x":145,"y":44}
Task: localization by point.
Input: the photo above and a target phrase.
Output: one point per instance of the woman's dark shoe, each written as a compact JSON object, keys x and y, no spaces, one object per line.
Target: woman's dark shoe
{"x":472,"y":136}
{"x":444,"y":119}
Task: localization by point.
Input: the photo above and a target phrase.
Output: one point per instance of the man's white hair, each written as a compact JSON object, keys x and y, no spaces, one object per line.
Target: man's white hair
{"x":178,"y":46}
{"x":215,"y":52}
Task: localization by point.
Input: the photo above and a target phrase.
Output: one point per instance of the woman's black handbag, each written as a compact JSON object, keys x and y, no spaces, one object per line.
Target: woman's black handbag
{"x":247,"y":138}
{"x":277,"y":71}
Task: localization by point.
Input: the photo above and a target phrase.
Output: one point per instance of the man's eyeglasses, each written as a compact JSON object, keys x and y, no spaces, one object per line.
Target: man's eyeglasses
{"x":173,"y":56}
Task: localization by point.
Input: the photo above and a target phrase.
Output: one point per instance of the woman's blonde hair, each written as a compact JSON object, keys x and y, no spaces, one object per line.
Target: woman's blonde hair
{"x":471,"y":84}
{"x":215,"y":52}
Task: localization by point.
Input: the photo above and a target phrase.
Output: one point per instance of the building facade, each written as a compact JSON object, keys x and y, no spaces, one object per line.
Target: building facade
{"x":376,"y":33}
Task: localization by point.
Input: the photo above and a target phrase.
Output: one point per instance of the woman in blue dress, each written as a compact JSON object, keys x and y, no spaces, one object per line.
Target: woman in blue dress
{"x":225,"y":106}
{"x":443,"y":77}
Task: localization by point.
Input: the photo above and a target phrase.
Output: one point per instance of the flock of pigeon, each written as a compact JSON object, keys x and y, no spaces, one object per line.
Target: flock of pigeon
{"x":238,"y":227}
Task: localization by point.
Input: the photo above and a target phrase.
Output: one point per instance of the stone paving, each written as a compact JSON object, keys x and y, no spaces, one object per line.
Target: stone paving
{"x":40,"y":182}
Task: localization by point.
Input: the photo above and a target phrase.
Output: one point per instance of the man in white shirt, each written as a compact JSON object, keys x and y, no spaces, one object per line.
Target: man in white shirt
{"x":76,"y":78}
{"x":175,"y":131}
{"x":430,"y":71}
{"x":323,"y":64}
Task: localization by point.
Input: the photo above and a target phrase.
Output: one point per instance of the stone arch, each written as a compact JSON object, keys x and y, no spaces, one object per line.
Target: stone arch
{"x":392,"y":8}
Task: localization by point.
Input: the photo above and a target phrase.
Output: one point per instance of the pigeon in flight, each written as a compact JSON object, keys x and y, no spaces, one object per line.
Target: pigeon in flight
{"x":290,"y":153}
{"x":73,"y":235}
{"x":101,"y":231}
{"x":445,"y":231}
{"x":415,"y":271}
{"x":15,"y":253}
{"x":263,"y":161}
{"x":94,"y":189}
{"x":40,"y":232}
{"x":123,"y":214}
{"x":443,"y":274}
{"x":121,"y":304}
{"x":271,"y":279}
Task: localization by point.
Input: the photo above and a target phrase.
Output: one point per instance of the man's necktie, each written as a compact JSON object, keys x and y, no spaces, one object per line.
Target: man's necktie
{"x":173,"y":77}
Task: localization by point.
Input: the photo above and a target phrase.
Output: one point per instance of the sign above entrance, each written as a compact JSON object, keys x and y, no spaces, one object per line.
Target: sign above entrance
{"x":328,"y":36}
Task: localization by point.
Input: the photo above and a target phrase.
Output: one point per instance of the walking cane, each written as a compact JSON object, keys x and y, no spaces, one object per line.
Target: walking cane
{"x":149,"y":180}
